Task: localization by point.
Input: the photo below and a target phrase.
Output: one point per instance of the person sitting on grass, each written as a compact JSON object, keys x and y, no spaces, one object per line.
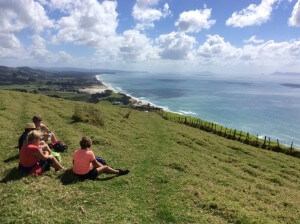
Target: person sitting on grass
{"x":37,"y":120}
{"x":33,"y":159}
{"x":23,"y":138}
{"x":85,"y":165}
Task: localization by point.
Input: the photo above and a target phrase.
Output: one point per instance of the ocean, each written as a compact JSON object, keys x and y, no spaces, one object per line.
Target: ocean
{"x":263,"y":105}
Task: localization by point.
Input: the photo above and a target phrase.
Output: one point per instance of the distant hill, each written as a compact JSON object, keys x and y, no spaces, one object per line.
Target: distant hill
{"x":20,"y":75}
{"x":85,"y":70}
{"x":27,"y":75}
{"x":286,"y":73}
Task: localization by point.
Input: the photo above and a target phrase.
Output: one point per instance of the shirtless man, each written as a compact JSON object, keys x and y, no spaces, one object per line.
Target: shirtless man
{"x":46,"y":133}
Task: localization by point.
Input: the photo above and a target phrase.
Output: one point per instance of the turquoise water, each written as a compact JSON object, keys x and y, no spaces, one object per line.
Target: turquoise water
{"x":263,"y":105}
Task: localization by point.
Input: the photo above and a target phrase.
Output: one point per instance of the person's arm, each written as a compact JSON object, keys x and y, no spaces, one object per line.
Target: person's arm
{"x":96,"y":164}
{"x":45,"y":128}
{"x":44,"y":146}
{"x":93,"y":160}
{"x":42,"y":155}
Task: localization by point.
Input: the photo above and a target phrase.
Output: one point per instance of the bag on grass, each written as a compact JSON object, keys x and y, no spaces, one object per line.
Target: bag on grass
{"x":101,"y":160}
{"x":58,"y":146}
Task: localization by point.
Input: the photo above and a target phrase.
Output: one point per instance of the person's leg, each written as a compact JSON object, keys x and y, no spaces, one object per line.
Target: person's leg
{"x":106,"y":169}
{"x":53,"y":137}
{"x":55,"y":164}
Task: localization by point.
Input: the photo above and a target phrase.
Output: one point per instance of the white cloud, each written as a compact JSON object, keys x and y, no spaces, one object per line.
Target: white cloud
{"x":17,"y":15}
{"x":294,"y":20}
{"x":136,"y":47}
{"x":254,"y":40}
{"x":10,"y":47}
{"x":194,"y":21}
{"x":216,"y":47}
{"x":145,"y":14}
{"x":175,"y":45}
{"x":38,"y":49}
{"x":9,"y":41}
{"x":216,"y":52}
{"x":89,"y":23}
{"x":252,"y":15}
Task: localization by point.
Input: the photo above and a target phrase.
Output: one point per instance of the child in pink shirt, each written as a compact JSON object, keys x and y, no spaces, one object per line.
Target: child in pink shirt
{"x":85,"y":165}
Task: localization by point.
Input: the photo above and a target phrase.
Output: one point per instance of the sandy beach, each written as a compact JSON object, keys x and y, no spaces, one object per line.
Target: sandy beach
{"x":94,"y":89}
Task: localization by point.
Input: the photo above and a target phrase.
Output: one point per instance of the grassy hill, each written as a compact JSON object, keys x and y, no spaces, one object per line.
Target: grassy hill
{"x":178,"y":174}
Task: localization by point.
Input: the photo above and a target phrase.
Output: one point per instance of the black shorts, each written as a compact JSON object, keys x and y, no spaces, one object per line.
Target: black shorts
{"x":45,"y":165}
{"x":91,"y":175}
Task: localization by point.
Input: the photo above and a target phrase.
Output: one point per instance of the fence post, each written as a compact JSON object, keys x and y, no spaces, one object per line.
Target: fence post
{"x":292,"y":145}
{"x":269,"y":141}
{"x":264,"y":145}
{"x":234,"y":133}
{"x":278,"y":143}
{"x":256,"y":142}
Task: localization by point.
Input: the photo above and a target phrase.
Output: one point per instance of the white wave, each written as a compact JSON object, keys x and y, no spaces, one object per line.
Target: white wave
{"x":118,"y":89}
{"x":187,"y":112}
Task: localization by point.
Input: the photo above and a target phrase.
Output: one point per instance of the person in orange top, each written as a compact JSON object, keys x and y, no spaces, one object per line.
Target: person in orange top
{"x":32,"y":157}
{"x":85,"y":165}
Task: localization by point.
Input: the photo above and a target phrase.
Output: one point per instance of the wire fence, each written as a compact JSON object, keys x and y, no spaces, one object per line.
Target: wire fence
{"x":229,"y":133}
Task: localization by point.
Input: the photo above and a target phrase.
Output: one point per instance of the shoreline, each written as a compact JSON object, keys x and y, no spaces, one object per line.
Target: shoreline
{"x":144,"y":105}
{"x":140,"y":102}
{"x":136,"y":103}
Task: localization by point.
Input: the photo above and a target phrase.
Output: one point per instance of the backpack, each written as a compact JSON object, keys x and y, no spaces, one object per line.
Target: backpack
{"x":58,"y":146}
{"x":101,"y":160}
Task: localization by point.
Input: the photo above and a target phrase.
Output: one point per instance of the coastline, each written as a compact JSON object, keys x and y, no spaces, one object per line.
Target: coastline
{"x":140,"y":104}
{"x":136,"y":103}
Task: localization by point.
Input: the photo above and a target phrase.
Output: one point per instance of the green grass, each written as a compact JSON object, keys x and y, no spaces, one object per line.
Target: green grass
{"x":178,"y":174}
{"x":233,"y":134}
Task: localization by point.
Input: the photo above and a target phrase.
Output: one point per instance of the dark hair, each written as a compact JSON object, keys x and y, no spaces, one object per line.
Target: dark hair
{"x":36,"y":118}
{"x":85,"y":142}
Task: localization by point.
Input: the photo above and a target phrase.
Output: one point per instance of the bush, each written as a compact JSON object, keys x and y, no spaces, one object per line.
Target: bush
{"x":95,"y":117}
{"x":78,"y":116}
{"x":127,"y":114}
{"x":88,"y":115}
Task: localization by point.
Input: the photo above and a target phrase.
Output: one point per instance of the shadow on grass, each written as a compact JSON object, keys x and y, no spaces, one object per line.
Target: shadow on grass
{"x":68,"y":177}
{"x":13,"y":175}
{"x":12,"y":158}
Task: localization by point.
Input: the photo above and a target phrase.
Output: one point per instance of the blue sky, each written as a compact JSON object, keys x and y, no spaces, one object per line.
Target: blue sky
{"x":237,"y":37}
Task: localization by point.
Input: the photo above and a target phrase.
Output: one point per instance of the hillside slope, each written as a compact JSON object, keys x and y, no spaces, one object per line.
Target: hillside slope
{"x":178,"y":174}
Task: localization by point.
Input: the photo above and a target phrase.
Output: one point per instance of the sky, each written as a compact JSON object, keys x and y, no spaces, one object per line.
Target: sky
{"x":220,"y":36}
